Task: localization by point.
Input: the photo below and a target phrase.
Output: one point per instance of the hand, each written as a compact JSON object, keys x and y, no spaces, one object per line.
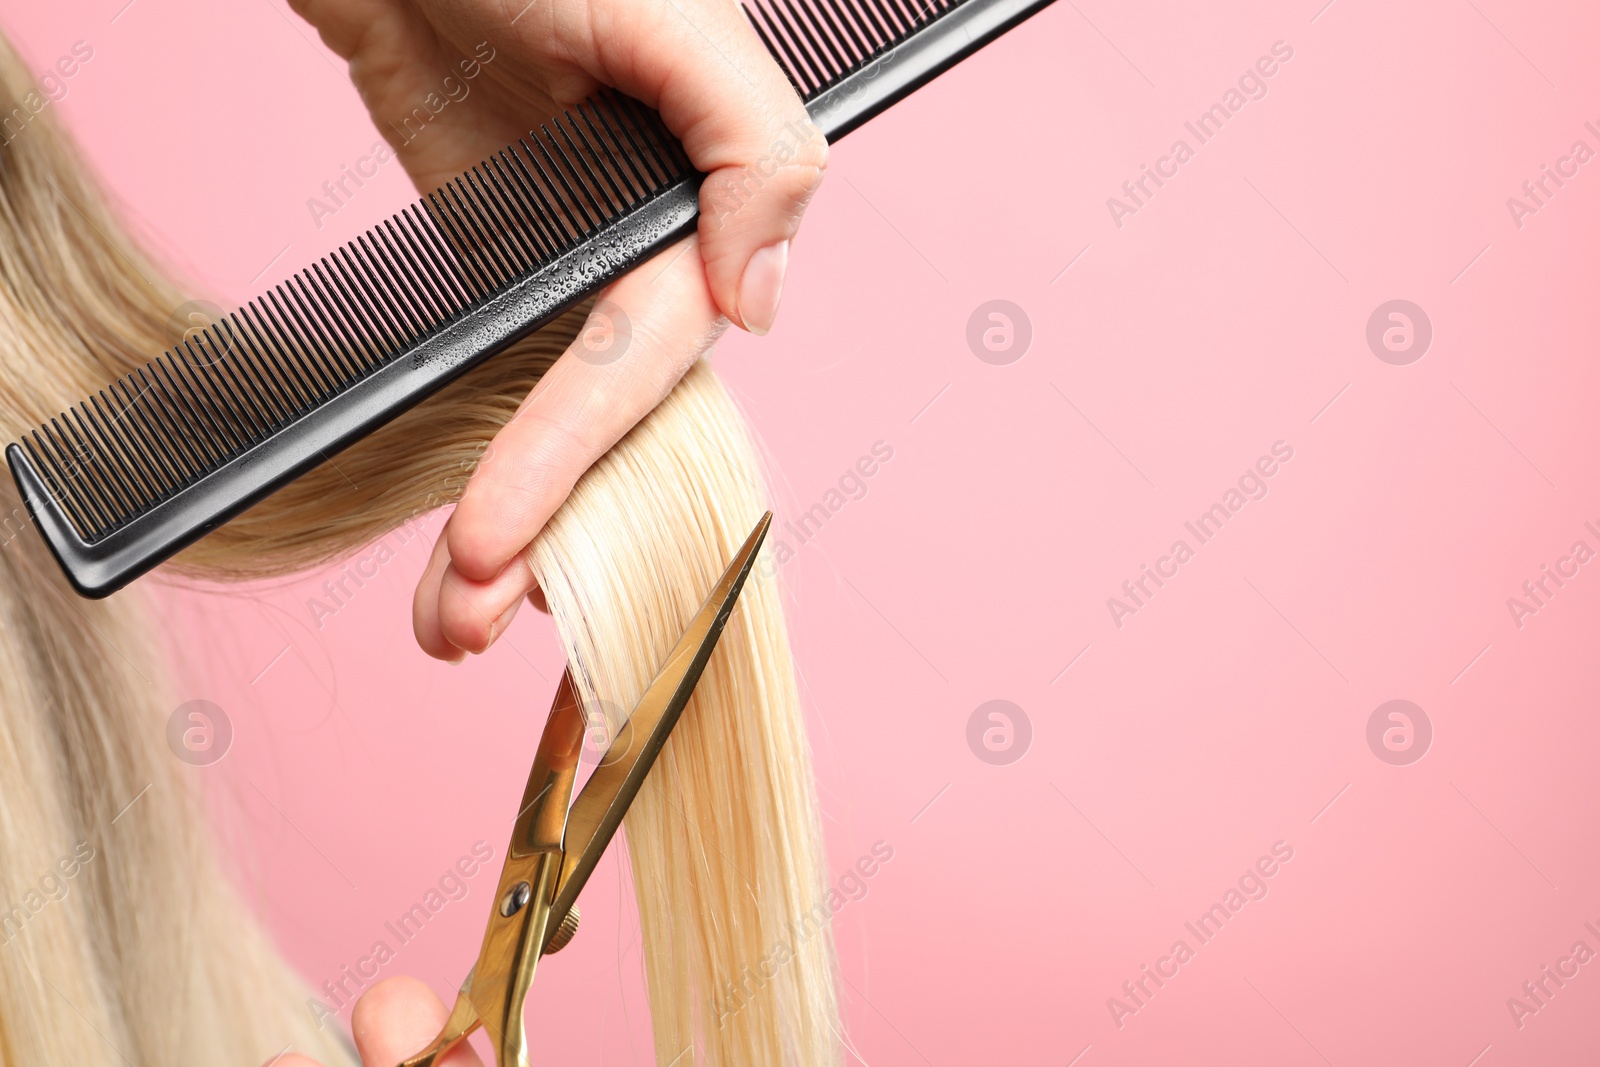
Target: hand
{"x":510,"y":64}
{"x":394,"y":1019}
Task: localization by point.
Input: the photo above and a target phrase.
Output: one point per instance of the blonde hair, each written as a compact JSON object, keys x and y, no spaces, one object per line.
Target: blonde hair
{"x":147,"y":954}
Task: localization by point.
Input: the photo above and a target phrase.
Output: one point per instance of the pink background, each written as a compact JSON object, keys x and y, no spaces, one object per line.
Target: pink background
{"x":1167,"y":755}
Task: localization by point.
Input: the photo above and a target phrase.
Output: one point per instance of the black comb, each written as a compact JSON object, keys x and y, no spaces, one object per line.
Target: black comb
{"x":153,"y":462}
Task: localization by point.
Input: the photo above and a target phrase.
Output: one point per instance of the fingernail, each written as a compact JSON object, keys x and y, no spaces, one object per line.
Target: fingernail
{"x":499,"y":625}
{"x":458,"y":661}
{"x":762,"y":287}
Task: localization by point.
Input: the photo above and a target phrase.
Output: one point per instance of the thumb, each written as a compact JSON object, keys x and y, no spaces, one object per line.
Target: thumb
{"x":397,"y":1018}
{"x":701,"y":65}
{"x":750,"y":209}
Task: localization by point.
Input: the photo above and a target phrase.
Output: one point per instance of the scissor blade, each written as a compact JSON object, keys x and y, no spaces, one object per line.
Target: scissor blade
{"x":604,"y":800}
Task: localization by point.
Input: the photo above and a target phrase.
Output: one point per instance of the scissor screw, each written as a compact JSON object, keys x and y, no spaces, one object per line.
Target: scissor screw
{"x":516,"y":899}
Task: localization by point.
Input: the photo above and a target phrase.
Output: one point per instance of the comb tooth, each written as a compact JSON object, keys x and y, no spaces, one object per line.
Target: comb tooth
{"x":532,"y":198}
{"x":590,"y":188}
{"x":500,"y":187}
{"x":235,"y":394}
{"x":614,"y":200}
{"x":370,"y":295}
{"x":757,"y":18}
{"x":510,"y":185}
{"x":186,"y":430}
{"x":178,"y":385}
{"x":151,"y":480}
{"x":431,"y":239}
{"x":455,"y":241}
{"x":637,"y":156}
{"x":210,"y":361}
{"x":187,"y":459}
{"x":465,"y":214}
{"x":863,"y":10}
{"x":77,"y":458}
{"x":658,"y":139}
{"x":401,"y":247}
{"x":287,"y":306}
{"x":896,"y":16}
{"x":594,"y":164}
{"x":919,"y":11}
{"x":47,"y":469}
{"x":332,"y":322}
{"x":271,"y":332}
{"x":179,"y":460}
{"x":114,"y":494}
{"x":334,"y":326}
{"x":561,"y":216}
{"x":383,"y":263}
{"x":856,"y":51}
{"x":378,"y":271}
{"x":364,"y":322}
{"x":430,"y":243}
{"x":278,"y":383}
{"x":869,"y":27}
{"x":162,"y":478}
{"x":128,"y":490}
{"x":209,"y":396}
{"x":821,"y":72}
{"x":327,"y":328}
{"x":855,"y":27}
{"x":891,"y":15}
{"x":636,"y":183}
{"x":501,"y":223}
{"x":274,"y":384}
{"x":831,"y":43}
{"x":362,"y":273}
{"x":140,"y":488}
{"x":571,"y":198}
{"x":418,"y":312}
{"x":68,"y":473}
{"x":794,"y":66}
{"x":485,"y":223}
{"x":608,"y":161}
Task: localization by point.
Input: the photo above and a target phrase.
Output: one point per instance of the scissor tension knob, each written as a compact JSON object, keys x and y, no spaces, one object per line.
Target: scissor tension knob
{"x":564,"y":933}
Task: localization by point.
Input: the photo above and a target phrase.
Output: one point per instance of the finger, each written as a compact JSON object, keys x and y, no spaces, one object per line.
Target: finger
{"x":647,"y":330}
{"x":473,"y":614}
{"x":720,"y":91}
{"x":425,"y":605}
{"x":701,"y":65}
{"x":399,"y":63}
{"x":398,"y":1018}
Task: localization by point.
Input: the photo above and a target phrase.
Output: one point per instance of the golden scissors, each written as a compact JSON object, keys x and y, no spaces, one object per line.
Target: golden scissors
{"x":554,"y":848}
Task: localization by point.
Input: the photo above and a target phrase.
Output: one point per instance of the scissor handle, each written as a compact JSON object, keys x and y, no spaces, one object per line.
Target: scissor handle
{"x":462,"y":1022}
